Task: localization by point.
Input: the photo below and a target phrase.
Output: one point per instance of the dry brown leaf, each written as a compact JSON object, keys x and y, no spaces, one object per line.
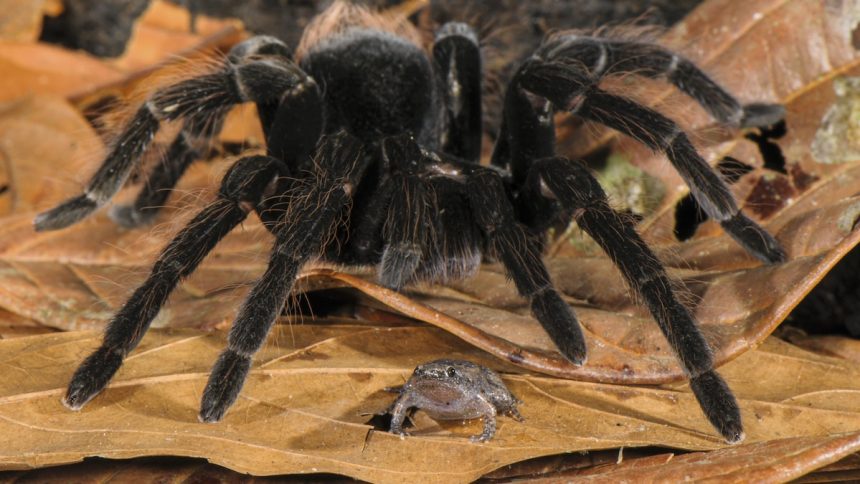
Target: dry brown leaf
{"x":22,"y":21}
{"x":829,"y":345}
{"x":771,"y":461}
{"x":44,"y":144}
{"x":154,"y":469}
{"x":163,"y":31}
{"x":45,"y":69}
{"x":76,"y":278}
{"x":306,"y":402}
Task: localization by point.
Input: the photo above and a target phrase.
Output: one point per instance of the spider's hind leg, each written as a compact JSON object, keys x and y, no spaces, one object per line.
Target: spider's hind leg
{"x":256,"y":70}
{"x":574,"y":91}
{"x":606,"y":56}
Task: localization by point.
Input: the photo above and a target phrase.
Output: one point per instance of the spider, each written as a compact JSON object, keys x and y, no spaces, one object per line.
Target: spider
{"x":373,"y":148}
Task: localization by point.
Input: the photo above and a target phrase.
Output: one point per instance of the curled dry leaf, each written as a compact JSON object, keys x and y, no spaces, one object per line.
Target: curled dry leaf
{"x":308,"y":398}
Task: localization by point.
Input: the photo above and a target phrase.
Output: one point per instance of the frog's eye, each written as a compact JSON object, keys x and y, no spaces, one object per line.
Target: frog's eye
{"x":451,"y":372}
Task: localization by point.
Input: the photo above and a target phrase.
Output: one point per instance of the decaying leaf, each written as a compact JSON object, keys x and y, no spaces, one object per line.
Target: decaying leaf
{"x":22,"y":21}
{"x":45,"y":69}
{"x":44,"y":144}
{"x":308,"y":398}
{"x":163,"y":31}
{"x":771,"y":461}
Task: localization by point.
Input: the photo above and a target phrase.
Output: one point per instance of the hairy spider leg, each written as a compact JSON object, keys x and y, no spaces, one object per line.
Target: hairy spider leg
{"x":574,"y":91}
{"x":248,"y":185}
{"x":241,"y":189}
{"x":580,"y":193}
{"x":602,"y":57}
{"x":316,"y":207}
{"x":255,"y":71}
{"x":457,"y":62}
{"x":454,"y":250}
{"x":708,"y":188}
{"x":190,"y":144}
{"x":408,"y":225}
{"x":551,"y":181}
{"x":520,"y":254}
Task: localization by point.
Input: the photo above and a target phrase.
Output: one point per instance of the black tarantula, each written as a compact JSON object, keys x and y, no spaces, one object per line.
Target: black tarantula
{"x":373,"y":159}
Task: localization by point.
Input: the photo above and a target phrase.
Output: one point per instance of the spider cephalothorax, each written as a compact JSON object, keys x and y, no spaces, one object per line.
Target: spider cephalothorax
{"x":373,"y":159}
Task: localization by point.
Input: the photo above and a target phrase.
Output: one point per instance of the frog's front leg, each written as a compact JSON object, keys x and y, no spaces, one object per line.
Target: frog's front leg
{"x":489,"y":417}
{"x":398,"y":413}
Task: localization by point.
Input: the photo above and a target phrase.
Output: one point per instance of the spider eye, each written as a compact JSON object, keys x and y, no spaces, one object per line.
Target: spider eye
{"x":451,"y":372}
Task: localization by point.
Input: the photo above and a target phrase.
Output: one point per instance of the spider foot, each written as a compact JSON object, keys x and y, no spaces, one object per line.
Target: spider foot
{"x":756,"y":240}
{"x":719,"y":405}
{"x":91,"y":377}
{"x":65,"y":214}
{"x":129,"y":217}
{"x":224,"y":384}
{"x":561,"y":325}
{"x":398,"y":266}
{"x":762,"y":114}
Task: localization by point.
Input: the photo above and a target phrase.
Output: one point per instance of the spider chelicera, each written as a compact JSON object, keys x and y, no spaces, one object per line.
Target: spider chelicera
{"x":373,"y":159}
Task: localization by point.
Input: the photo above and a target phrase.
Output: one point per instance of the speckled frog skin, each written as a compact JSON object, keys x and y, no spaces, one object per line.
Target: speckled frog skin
{"x":455,"y":390}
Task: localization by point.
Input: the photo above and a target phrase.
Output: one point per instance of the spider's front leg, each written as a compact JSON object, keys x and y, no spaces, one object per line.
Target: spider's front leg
{"x":241,"y":190}
{"x":407,"y":228}
{"x":247,"y":186}
{"x":520,"y":254}
{"x":314,"y":209}
{"x":256,"y":70}
{"x":547,"y":186}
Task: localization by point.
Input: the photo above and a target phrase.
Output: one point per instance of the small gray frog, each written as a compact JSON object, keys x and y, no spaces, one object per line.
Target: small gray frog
{"x":455,"y":390}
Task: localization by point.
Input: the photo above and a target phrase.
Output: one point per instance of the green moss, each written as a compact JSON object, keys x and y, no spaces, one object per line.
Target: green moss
{"x":838,"y":138}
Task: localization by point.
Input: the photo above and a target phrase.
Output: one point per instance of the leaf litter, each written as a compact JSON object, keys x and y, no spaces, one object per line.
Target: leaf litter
{"x":77,"y":278}
{"x":307,"y":399}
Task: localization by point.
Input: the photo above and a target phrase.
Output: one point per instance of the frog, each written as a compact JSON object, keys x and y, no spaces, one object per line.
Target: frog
{"x":449,"y":389}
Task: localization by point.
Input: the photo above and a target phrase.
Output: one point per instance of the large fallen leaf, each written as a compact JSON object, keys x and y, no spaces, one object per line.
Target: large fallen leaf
{"x":772,"y":461}
{"x":305,"y":404}
{"x":737,"y":301}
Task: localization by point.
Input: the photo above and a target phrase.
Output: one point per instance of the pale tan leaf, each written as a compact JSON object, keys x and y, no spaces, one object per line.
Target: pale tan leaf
{"x":308,"y":397}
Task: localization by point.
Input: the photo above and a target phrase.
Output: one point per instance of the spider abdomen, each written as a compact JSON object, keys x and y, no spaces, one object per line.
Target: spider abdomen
{"x":375,"y":84}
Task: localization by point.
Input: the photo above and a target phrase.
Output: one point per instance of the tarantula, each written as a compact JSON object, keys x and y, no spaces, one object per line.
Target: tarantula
{"x":373,"y":159}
